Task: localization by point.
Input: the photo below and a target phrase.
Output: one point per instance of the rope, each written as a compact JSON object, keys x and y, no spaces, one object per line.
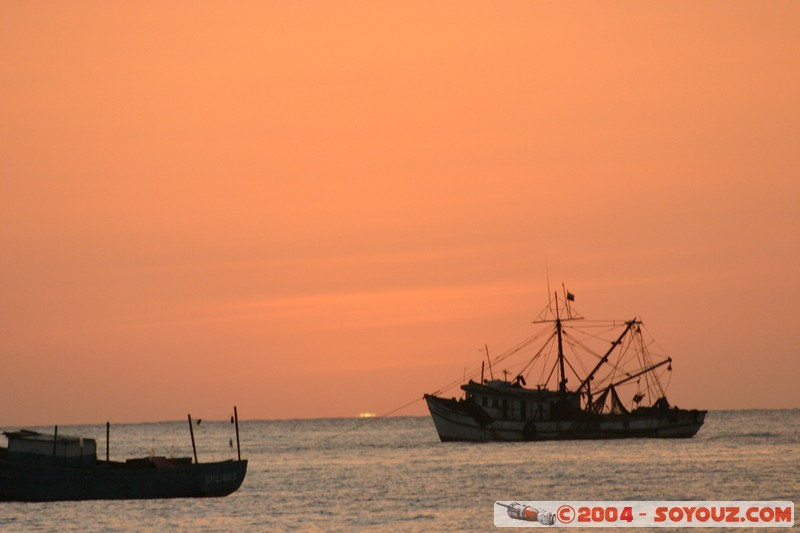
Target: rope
{"x":373,"y":419}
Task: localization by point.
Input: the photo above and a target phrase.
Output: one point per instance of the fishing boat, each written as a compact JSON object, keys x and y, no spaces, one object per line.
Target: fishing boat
{"x":42,"y":467}
{"x":593,"y":380}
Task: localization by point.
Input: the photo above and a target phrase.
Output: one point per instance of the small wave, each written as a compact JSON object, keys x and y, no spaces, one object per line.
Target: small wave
{"x":420,"y":517}
{"x":751,"y":435}
{"x":760,"y":435}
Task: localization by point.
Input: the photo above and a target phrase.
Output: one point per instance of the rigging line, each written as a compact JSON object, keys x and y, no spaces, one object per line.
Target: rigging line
{"x":587,"y":340}
{"x":573,"y":342}
{"x":650,"y":381}
{"x":369,"y":421}
{"x":624,"y":354}
{"x":620,"y":360}
{"x":653,"y":380}
{"x":587,"y":323}
{"x":549,"y":347}
{"x":453,"y":384}
{"x":579,"y":325}
{"x":639,"y":373}
{"x":617,"y":366}
{"x":573,"y":339}
{"x":496,"y":360}
{"x":607,"y":330}
{"x":516,"y":348}
{"x":570,"y":344}
{"x":458,"y":381}
{"x":546,"y":346}
{"x":577,"y":341}
{"x":654,"y":341}
{"x":551,"y":373}
{"x":571,"y":367}
{"x":656,"y":377}
{"x":502,"y":357}
{"x":669,"y":380}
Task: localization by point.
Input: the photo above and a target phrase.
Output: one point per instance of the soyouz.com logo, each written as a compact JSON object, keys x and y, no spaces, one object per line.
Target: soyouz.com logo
{"x":725,"y":514}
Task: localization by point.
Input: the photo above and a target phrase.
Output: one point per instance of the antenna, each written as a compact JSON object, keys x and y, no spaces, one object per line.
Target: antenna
{"x":491,"y":374}
{"x":547,"y":271}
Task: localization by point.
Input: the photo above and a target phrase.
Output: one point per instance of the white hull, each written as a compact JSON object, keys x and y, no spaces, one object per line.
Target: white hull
{"x":455,"y":421}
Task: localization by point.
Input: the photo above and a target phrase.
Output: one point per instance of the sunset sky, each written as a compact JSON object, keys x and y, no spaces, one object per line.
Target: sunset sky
{"x":314,"y":209}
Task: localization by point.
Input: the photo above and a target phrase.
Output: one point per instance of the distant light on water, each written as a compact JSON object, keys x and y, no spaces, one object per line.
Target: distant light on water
{"x":366,"y":415}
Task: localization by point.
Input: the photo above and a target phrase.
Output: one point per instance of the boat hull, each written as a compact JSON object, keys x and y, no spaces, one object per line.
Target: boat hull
{"x":459,"y":420}
{"x":117,"y":481}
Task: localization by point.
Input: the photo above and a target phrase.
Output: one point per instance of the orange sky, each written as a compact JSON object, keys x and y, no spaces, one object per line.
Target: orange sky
{"x":314,"y":209}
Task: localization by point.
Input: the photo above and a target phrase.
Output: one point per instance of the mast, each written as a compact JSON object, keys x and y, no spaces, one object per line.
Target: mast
{"x":562,"y":385}
{"x":191,"y":432}
{"x":236,"y":421}
{"x":552,"y":313}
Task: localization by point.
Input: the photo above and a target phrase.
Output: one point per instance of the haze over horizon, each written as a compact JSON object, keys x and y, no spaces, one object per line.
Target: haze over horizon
{"x":319,"y":209}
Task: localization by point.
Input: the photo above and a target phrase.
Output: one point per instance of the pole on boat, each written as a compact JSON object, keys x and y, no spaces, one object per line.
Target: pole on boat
{"x":191,"y":432}
{"x":491,"y":374}
{"x":562,"y":386}
{"x":236,"y":420}
{"x":108,"y":430}
{"x":55,"y":441}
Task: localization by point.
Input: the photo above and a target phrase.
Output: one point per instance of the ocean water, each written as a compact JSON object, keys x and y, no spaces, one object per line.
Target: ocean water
{"x":393,"y":474}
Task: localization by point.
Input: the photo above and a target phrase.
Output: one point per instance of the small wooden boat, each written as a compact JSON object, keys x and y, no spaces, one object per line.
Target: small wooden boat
{"x":41,"y":467}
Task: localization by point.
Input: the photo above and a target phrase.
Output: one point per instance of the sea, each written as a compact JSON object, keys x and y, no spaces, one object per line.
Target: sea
{"x":393,"y":474}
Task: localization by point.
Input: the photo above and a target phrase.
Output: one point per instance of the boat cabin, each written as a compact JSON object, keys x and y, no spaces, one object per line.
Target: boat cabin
{"x":33,"y":447}
{"x":504,"y":400}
